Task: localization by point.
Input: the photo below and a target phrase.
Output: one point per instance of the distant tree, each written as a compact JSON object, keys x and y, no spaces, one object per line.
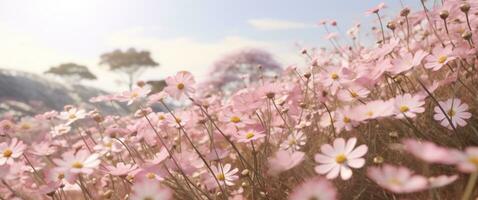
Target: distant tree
{"x":242,"y":66}
{"x":129,"y":62}
{"x":72,"y":71}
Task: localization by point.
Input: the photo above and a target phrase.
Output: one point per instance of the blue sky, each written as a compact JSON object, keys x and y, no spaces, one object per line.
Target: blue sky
{"x":186,"y":35}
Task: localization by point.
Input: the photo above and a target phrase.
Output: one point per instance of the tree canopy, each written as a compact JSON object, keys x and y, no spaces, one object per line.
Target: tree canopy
{"x":71,"y":70}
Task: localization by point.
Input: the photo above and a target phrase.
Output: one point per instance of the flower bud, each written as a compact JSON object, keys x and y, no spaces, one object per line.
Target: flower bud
{"x":465,"y":7}
{"x":466,"y":35}
{"x":378,"y":159}
{"x":444,"y":14}
{"x":140,"y":84}
{"x":404,"y":12}
{"x":391,"y":25}
{"x":307,"y":75}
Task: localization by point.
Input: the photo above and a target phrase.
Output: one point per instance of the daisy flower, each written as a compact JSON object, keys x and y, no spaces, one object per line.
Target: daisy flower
{"x":408,"y":106}
{"x":294,"y":141}
{"x":134,"y":95}
{"x":352,"y":93}
{"x":179,"y":85}
{"x":237,"y":119}
{"x":429,"y":152}
{"x":60,"y":129}
{"x":316,"y":188}
{"x":339,"y":158}
{"x":44,"y":148}
{"x":72,"y":114}
{"x":225,"y":175}
{"x":343,"y":119}
{"x":467,"y":161}
{"x":439,"y":57}
{"x":10,"y":151}
{"x":373,"y":110}
{"x":150,"y":190}
{"x":455,"y":110}
{"x":440,"y":181}
{"x":249,"y":135}
{"x":81,"y":162}
{"x":121,"y":169}
{"x":397,"y":179}
{"x":284,"y":160}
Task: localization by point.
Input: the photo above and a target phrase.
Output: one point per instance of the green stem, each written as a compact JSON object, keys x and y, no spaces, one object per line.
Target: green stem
{"x":470,"y":186}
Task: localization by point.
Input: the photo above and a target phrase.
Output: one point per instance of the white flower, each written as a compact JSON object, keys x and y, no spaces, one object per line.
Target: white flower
{"x":408,"y":105}
{"x":340,"y":158}
{"x":225,"y":175}
{"x":72,"y":115}
{"x":294,"y":141}
{"x":455,"y":110}
{"x":151,"y":190}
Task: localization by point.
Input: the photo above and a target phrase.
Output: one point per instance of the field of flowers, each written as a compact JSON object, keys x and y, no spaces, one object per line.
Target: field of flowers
{"x":392,"y":120}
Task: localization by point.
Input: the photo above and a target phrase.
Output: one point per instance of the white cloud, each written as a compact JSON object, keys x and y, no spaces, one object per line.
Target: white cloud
{"x":273,"y":24}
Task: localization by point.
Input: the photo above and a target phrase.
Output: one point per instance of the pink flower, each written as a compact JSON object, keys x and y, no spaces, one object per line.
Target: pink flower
{"x":467,"y":161}
{"x":134,"y":95}
{"x":225,"y":175}
{"x":6,"y":127}
{"x":316,"y":188}
{"x":343,"y":119}
{"x":72,"y":114}
{"x":408,"y":106}
{"x":440,"y":181}
{"x":397,"y":179}
{"x":455,"y":110}
{"x":81,"y":162}
{"x":429,"y":152}
{"x":333,"y":78}
{"x":237,"y":119}
{"x":352,"y":93}
{"x":294,"y":141}
{"x":439,"y":57}
{"x":10,"y":151}
{"x":60,"y":175}
{"x":44,"y":148}
{"x":407,"y":62}
{"x":151,"y":190}
{"x":284,"y":160}
{"x":375,"y":9}
{"x":152,"y":99}
{"x":121,"y":169}
{"x":249,"y":136}
{"x":373,"y":110}
{"x":340,"y":158}
{"x":152,"y":172}
{"x":181,"y":84}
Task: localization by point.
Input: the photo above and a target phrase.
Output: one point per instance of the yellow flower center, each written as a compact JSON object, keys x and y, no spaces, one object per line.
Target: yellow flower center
{"x":473,"y":160}
{"x":334,"y":76}
{"x":394,"y":181}
{"x":77,"y":165}
{"x":162,"y":117}
{"x":221,"y":177}
{"x":353,"y":94}
{"x":404,"y":108}
{"x":25,"y":126}
{"x":134,"y":95}
{"x":292,"y":141}
{"x":178,"y":120}
{"x":442,"y":59}
{"x":72,"y":116}
{"x":370,"y":113}
{"x":346,"y":120}
{"x":150,"y":175}
{"x":60,"y":176}
{"x":180,"y":86}
{"x":7,"y":153}
{"x":235,"y":119}
{"x":451,"y":113}
{"x":340,"y":158}
{"x":249,"y":135}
